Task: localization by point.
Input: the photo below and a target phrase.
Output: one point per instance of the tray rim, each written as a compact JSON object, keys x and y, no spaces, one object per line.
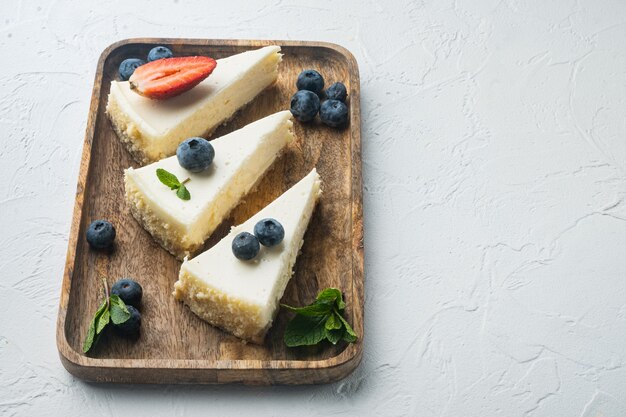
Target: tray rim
{"x":345,"y":362}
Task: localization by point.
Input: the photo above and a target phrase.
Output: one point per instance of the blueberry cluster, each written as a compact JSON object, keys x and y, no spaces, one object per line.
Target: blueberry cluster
{"x":129,"y":65}
{"x":130,"y":292}
{"x":267,"y":232}
{"x":306,"y":103}
{"x":100,"y":236}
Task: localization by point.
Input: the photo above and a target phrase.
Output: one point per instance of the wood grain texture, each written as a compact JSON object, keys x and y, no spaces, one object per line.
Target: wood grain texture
{"x":176,"y":346}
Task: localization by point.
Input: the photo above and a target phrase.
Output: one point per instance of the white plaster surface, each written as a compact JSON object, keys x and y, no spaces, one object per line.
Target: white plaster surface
{"x":494,"y":152}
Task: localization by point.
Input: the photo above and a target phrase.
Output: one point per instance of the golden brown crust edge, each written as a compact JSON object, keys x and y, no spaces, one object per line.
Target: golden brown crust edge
{"x":244,"y":325}
{"x":159,"y":231}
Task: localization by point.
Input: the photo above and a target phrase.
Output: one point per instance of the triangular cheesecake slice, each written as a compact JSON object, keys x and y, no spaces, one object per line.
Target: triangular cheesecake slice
{"x":242,"y":297}
{"x":152,"y":129}
{"x":241,"y":158}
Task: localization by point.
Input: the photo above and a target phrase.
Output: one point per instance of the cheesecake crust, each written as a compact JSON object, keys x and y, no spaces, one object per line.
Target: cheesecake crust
{"x":162,"y":232}
{"x":233,"y":315}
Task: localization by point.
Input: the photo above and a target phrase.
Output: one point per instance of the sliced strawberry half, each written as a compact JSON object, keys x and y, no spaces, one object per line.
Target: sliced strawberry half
{"x":170,"y":77}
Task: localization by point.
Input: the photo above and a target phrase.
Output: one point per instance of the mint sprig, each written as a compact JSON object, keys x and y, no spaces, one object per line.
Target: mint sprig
{"x":321,"y":320}
{"x":113,"y":310}
{"x":169,"y":179}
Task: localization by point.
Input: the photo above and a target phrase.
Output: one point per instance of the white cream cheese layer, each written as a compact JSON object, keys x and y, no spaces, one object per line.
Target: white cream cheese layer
{"x":241,"y":157}
{"x":160,"y":125}
{"x":260,"y":283}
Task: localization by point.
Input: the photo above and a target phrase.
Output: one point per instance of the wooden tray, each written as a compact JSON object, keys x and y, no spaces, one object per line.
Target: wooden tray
{"x":176,"y":346}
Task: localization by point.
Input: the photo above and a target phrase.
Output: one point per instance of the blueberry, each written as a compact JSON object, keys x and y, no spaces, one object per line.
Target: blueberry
{"x":269,"y":232}
{"x":245,"y":246}
{"x":100,"y":234}
{"x":334,"y":113}
{"x":128,"y":290}
{"x":310,"y":80}
{"x":130,"y":328}
{"x":128,"y":66}
{"x":305,"y":105}
{"x":195,"y":154}
{"x":159,"y":52}
{"x":337,"y":91}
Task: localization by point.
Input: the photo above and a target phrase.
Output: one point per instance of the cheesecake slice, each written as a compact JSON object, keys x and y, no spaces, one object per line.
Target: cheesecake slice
{"x":152,"y":129}
{"x":242,"y":297}
{"x":241,"y":158}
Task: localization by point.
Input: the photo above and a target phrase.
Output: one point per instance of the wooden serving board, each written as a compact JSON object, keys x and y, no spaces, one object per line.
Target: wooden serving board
{"x":175,"y":346}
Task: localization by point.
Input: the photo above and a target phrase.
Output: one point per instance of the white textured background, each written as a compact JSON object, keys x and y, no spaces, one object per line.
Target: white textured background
{"x":494,"y":151}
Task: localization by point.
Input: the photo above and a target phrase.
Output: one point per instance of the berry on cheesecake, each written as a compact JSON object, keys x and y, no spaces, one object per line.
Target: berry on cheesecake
{"x":170,"y":77}
{"x":195,"y":154}
{"x":245,"y":246}
{"x":269,"y":232}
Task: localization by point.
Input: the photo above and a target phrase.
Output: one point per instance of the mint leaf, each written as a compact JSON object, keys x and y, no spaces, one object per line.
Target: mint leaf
{"x":168,"y":178}
{"x":349,"y":330}
{"x":115,"y":299}
{"x":312,"y":327}
{"x":333,"y":323}
{"x":349,"y":338}
{"x":319,"y":320}
{"x":93,"y":326}
{"x":90,"y":335}
{"x":305,"y":330}
{"x":119,"y":312}
{"x":329,"y":294}
{"x":334,"y":295}
{"x":183,"y":192}
{"x":318,"y":308}
{"x":335,"y":335}
{"x":103,"y":321}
